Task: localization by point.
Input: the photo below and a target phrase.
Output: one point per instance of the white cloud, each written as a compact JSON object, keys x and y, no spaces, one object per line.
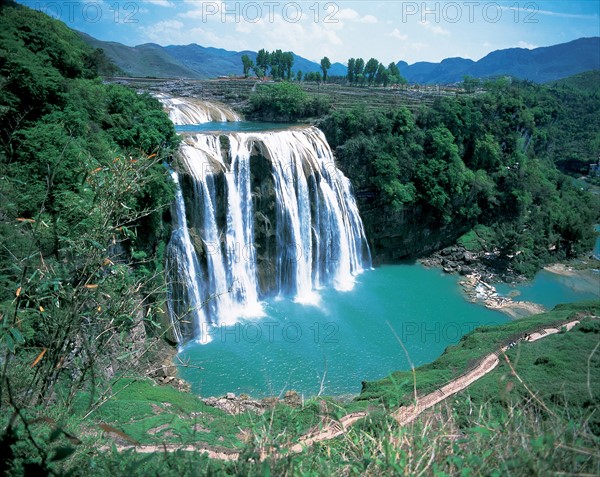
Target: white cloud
{"x":346,"y":14}
{"x":160,"y":3}
{"x":351,"y":15}
{"x":524,"y":44}
{"x":368,"y":19}
{"x":207,"y":11}
{"x":435,"y":29}
{"x":396,"y":34}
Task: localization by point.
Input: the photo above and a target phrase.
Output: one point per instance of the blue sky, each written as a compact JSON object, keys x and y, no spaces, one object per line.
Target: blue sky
{"x":387,"y":30}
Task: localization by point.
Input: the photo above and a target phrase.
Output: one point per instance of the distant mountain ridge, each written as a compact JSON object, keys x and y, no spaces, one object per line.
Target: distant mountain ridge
{"x":539,"y":65}
{"x":187,"y":61}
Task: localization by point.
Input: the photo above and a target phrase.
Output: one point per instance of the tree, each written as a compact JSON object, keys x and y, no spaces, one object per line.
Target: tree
{"x":394,"y":70}
{"x":470,"y":83}
{"x":359,"y":66}
{"x":81,"y":266}
{"x":258,"y":71}
{"x":382,"y":76}
{"x":283,"y":100}
{"x":263,"y":60}
{"x":394,"y":74}
{"x":371,"y":70}
{"x":247,"y":64}
{"x":287,"y":63}
{"x":299,"y":75}
{"x":277,"y":70}
{"x":325,"y":65}
{"x":351,"y":69}
{"x":313,"y":76}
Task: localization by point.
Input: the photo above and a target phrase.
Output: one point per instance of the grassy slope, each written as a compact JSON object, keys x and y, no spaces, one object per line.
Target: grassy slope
{"x":492,"y":428}
{"x":562,"y":370}
{"x":141,"y":406}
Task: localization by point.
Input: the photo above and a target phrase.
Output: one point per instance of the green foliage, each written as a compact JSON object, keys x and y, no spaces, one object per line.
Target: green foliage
{"x":479,"y":239}
{"x":485,"y":159}
{"x":314,"y":76}
{"x":284,"y":102}
{"x":325,"y":65}
{"x":279,"y":62}
{"x":373,"y":73}
{"x":247,"y":64}
{"x":82,"y":197}
{"x":574,"y":134}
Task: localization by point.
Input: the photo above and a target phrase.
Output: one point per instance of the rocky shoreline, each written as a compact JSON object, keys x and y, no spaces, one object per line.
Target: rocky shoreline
{"x":480,"y":274}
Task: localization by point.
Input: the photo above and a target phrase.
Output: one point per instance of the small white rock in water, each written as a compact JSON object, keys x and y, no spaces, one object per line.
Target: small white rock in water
{"x":230,"y":395}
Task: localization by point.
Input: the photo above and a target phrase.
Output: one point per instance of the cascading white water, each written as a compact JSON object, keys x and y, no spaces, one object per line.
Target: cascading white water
{"x":190,"y":111}
{"x":184,"y":300}
{"x":267,"y":214}
{"x":318,"y":234}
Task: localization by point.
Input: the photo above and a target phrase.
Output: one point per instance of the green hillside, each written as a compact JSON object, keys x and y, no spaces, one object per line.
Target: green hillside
{"x":588,"y":81}
{"x":83,"y":191}
{"x":143,"y":60}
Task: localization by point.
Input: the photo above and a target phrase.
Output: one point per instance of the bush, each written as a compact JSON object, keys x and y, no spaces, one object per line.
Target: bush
{"x":284,"y":102}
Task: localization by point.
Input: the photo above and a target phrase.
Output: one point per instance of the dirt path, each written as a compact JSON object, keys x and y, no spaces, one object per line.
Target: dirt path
{"x":403,"y":415}
{"x":334,"y":429}
{"x":406,"y":414}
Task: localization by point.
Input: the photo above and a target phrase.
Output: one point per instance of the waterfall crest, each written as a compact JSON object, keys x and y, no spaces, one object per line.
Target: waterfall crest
{"x":183,"y":111}
{"x":260,"y":214}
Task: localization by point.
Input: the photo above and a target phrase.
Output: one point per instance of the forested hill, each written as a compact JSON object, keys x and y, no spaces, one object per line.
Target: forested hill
{"x":483,"y":165}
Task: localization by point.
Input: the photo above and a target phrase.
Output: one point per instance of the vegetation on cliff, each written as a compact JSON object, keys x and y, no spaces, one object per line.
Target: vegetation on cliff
{"x":82,"y":197}
{"x":284,"y":102}
{"x":485,"y":159}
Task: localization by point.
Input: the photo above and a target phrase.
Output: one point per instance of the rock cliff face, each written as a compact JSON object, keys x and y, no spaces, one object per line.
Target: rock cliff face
{"x":410,"y":233}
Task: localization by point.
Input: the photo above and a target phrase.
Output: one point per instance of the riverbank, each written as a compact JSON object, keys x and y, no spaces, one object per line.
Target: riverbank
{"x":584,"y":275}
{"x":478,"y":291}
{"x":484,"y":284}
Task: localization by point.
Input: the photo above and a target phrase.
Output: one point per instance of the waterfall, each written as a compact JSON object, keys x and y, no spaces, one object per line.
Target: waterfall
{"x":257,"y":215}
{"x":191,"y":111}
{"x":184,"y":300}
